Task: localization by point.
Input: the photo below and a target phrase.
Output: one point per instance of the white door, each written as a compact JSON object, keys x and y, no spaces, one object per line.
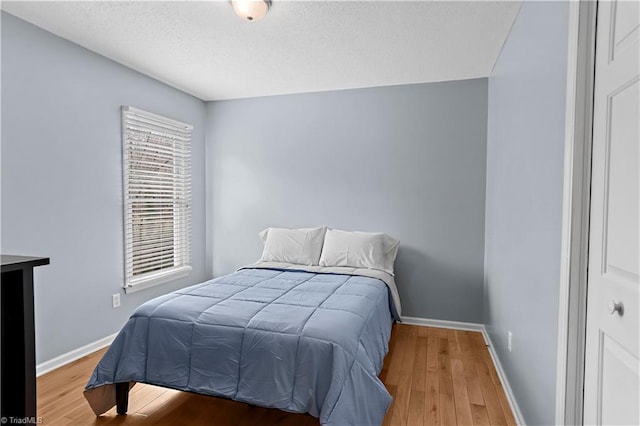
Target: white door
{"x":611,"y":393}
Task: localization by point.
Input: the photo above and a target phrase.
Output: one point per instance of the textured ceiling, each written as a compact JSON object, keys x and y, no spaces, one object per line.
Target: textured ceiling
{"x":300,"y":46}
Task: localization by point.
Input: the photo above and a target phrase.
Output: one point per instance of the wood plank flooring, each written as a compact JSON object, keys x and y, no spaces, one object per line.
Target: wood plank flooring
{"x":436,"y":377}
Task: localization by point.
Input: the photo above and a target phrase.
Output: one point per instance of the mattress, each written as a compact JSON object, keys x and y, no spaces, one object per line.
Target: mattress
{"x":294,"y":340}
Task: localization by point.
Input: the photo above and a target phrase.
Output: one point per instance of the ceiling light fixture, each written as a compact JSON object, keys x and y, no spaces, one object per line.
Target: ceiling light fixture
{"x":251,"y":10}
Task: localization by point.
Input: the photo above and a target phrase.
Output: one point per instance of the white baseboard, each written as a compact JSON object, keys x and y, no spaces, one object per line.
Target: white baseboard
{"x":469,"y":326}
{"x":73,"y":355}
{"x":503,"y":379}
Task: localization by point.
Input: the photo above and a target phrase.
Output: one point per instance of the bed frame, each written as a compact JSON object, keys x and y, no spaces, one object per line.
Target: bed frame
{"x":122,"y":397}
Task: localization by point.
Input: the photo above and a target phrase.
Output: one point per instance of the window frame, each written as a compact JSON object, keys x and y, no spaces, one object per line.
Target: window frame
{"x":182,"y":227}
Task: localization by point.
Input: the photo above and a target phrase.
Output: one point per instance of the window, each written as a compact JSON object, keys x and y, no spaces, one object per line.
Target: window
{"x":156,"y":157}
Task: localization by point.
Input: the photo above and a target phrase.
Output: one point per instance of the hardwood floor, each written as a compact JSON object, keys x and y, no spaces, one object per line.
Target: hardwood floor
{"x":436,"y":376}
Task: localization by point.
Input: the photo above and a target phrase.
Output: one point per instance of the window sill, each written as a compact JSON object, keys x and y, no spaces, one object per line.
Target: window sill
{"x":157,"y":279}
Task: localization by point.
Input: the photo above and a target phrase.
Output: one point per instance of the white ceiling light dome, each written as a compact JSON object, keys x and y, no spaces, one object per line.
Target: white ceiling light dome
{"x":251,"y":10}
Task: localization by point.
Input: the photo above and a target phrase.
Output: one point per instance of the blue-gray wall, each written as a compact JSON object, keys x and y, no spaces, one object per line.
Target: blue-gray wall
{"x":405,"y":160}
{"x":62,"y":179}
{"x":525,"y":146}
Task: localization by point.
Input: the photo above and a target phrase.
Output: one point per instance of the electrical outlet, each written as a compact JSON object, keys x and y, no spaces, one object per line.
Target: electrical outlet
{"x":115,"y":300}
{"x":509,"y":341}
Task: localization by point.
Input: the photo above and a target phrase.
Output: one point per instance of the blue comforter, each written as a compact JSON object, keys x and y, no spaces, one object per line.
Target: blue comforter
{"x":297,"y":341}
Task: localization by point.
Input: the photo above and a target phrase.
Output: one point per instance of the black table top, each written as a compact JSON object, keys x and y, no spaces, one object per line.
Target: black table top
{"x":12,"y":263}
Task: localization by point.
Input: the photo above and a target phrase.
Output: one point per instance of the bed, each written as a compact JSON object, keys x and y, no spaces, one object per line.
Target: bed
{"x":307,"y":339}
{"x":304,"y":330}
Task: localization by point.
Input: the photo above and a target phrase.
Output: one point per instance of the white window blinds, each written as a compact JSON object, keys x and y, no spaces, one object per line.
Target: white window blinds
{"x":157,"y":198}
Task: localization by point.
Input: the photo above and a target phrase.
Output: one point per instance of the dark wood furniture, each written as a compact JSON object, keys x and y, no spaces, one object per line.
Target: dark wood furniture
{"x":18,"y":360}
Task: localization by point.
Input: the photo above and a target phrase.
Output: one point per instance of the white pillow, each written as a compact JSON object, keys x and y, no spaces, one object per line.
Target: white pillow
{"x":359,"y":250}
{"x":298,"y":246}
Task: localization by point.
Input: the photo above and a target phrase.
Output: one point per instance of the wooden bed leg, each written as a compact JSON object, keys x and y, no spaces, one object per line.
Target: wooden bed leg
{"x":122,"y":398}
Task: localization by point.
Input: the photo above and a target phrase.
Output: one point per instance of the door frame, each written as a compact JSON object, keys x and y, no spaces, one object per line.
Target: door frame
{"x":572,"y":319}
